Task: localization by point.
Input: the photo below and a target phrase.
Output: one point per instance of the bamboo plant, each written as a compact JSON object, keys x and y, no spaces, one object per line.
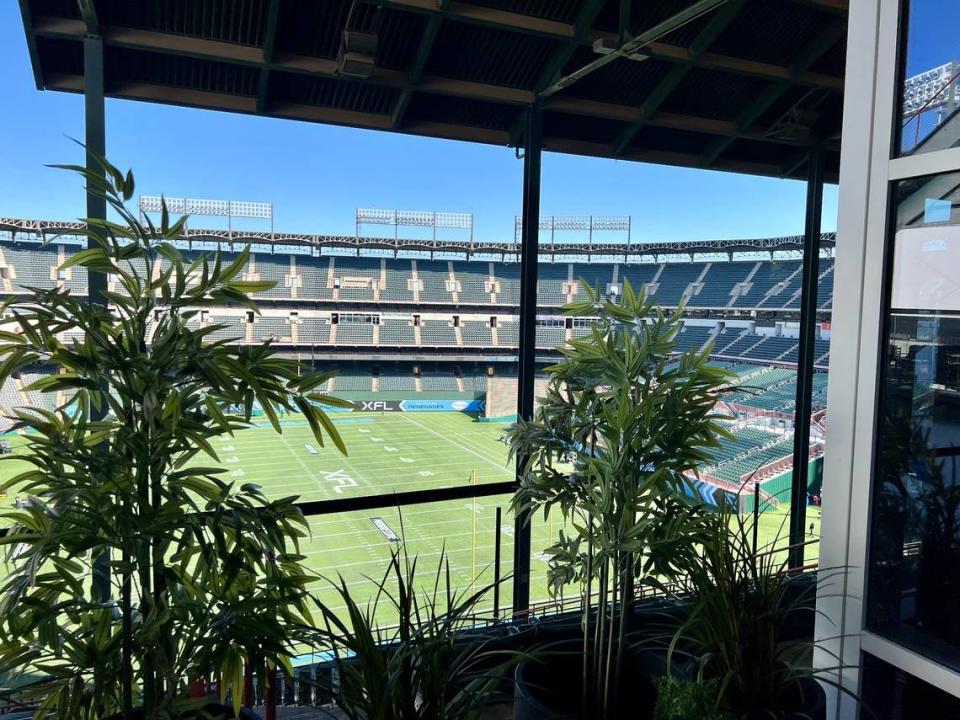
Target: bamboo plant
{"x":138,"y":564}
{"x":619,"y":428}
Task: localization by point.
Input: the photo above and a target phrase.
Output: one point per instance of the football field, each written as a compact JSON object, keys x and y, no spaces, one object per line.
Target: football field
{"x":396,"y":451}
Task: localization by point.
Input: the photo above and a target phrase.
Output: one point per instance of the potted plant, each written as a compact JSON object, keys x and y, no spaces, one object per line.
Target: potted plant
{"x":734,"y":640}
{"x":622,"y":423}
{"x":420,"y":649}
{"x":139,"y":566}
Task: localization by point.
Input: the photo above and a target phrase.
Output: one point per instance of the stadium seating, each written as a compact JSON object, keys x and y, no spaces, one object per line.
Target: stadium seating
{"x":674,"y":281}
{"x":509,"y":276}
{"x":314,"y":273}
{"x":768,"y":276}
{"x":437,"y":332}
{"x":275,"y":268}
{"x":691,"y":338}
{"x":434,"y":276}
{"x":235,"y":329}
{"x":397,"y":378}
{"x":353,"y":379}
{"x":273,"y":328}
{"x":508,"y":333}
{"x":718,"y":284}
{"x":354,"y":334}
{"x":438,"y":381}
{"x":397,"y":285}
{"x":473,"y":278}
{"x":314,"y":330}
{"x":551,"y":284}
{"x":594,"y":274}
{"x":356,"y":276}
{"x":550,"y":337}
{"x":33,"y":264}
{"x":638,"y":275}
{"x":396,"y":332}
{"x":476,"y":333}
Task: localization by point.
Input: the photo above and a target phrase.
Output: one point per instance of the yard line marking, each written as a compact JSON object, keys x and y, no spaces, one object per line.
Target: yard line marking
{"x":434,"y":432}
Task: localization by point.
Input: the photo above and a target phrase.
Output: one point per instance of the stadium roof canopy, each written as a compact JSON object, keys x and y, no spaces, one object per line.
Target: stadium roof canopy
{"x":743,"y":85}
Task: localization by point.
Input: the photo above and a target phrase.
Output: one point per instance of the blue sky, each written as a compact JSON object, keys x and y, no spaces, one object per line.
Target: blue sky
{"x":317,"y":175}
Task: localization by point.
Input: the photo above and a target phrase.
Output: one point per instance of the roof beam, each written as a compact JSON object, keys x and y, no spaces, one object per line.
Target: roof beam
{"x":556,"y":62}
{"x":419,"y":62}
{"x":517,"y":22}
{"x":693,"y":12}
{"x":324,"y":67}
{"x":718,"y":23}
{"x":372,"y":121}
{"x":269,"y":41}
{"x":763,"y":102}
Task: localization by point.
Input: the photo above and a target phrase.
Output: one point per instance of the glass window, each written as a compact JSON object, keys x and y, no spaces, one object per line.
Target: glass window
{"x":914,"y":578}
{"x":889,"y":693}
{"x":930,"y":68}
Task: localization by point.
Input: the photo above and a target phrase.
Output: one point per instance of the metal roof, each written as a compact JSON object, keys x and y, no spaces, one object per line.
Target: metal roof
{"x":747,"y":86}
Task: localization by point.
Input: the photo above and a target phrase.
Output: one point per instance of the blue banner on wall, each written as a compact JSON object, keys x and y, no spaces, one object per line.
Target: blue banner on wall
{"x":413,"y":405}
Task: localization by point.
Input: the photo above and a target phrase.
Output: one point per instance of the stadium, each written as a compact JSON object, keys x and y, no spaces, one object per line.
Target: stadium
{"x":701,"y":118}
{"x":426,"y":349}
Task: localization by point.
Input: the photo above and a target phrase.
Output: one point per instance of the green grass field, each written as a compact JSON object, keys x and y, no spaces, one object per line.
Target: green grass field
{"x":390,"y":452}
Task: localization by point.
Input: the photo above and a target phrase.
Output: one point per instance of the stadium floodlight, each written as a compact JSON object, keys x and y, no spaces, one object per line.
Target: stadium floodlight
{"x":414,"y":218}
{"x":216,"y":208}
{"x":581,"y":223}
{"x":935,"y":88}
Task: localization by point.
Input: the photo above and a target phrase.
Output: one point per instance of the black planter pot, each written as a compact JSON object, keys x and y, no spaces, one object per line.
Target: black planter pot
{"x":213,"y":711}
{"x":810,"y":701}
{"x":550,"y":688}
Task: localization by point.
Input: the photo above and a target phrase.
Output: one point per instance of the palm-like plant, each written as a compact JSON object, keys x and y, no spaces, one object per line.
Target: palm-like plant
{"x":138,"y":565}
{"x":618,"y":430}
{"x":740,"y":603}
{"x":432,"y":660}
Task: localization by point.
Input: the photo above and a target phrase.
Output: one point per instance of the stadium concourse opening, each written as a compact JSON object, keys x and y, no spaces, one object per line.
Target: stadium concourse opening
{"x":431,"y":335}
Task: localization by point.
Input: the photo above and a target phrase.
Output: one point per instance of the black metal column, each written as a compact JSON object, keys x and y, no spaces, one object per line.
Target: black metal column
{"x":529,"y":242}
{"x":806,"y":356}
{"x":95,"y":140}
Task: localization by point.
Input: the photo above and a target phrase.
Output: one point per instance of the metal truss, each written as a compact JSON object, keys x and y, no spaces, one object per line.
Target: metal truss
{"x":39,"y":230}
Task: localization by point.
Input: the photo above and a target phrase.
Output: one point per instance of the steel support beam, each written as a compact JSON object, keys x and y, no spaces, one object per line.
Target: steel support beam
{"x":808,"y":318}
{"x":720,"y":22}
{"x":419,"y":63}
{"x":763,"y":102}
{"x":270,"y":39}
{"x":96,"y":146}
{"x":529,"y":247}
{"x":636,"y":44}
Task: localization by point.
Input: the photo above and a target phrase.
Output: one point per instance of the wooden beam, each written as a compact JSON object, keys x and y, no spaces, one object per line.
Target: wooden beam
{"x":270,"y":39}
{"x":705,"y":38}
{"x":763,"y":102}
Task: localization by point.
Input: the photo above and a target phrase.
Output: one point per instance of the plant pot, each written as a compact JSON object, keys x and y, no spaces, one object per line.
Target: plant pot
{"x":213,"y":711}
{"x":549,"y":688}
{"x":809,"y":703}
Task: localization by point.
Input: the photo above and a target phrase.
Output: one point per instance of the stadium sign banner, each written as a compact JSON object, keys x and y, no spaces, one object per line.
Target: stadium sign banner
{"x":465,"y":405}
